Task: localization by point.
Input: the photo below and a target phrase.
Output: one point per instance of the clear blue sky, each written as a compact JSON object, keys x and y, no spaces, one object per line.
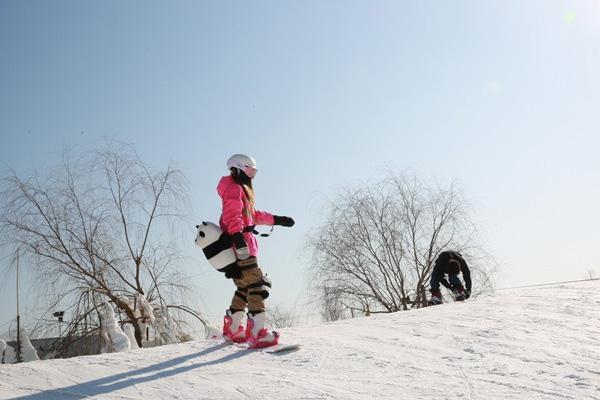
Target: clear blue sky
{"x":502,"y":96}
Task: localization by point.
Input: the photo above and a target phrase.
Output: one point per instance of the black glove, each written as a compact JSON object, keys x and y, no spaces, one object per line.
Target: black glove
{"x":283,"y":221}
{"x":241,"y":248}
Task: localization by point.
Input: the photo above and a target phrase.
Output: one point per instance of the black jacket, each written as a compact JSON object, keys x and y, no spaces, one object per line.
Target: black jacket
{"x":451,"y":262}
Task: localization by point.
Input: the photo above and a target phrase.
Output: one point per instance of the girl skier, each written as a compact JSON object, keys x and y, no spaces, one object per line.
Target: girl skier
{"x":238,"y":219}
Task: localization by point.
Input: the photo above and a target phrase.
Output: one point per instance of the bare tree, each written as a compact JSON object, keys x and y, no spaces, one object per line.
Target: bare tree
{"x":98,"y":228}
{"x":332,"y":302}
{"x":376,"y":249}
{"x":281,"y":318}
{"x":591,"y":274}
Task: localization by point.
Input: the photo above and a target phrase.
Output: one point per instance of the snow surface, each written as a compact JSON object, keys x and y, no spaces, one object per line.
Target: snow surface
{"x":538,"y":343}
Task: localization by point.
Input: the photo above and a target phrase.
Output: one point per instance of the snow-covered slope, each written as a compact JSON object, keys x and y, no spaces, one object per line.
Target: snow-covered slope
{"x":541,"y":343}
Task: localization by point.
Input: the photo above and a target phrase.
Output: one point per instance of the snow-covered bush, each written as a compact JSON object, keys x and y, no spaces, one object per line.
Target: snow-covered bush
{"x":213,"y":332}
{"x":28,"y":352}
{"x":2,"y":348}
{"x":142,"y":314}
{"x":113,"y":338}
{"x":166,"y":330}
{"x":165,"y":327}
{"x":130,"y":332}
{"x":144,"y":310}
{"x":7,"y":355}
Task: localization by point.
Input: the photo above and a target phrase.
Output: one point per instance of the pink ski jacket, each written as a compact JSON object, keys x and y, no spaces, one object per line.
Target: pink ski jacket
{"x":239,"y":213}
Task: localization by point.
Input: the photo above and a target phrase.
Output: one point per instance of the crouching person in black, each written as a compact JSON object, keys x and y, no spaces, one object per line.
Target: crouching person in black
{"x":450,"y":263}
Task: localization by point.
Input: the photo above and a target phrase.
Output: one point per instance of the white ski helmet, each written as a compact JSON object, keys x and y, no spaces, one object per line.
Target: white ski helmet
{"x":244,"y":163}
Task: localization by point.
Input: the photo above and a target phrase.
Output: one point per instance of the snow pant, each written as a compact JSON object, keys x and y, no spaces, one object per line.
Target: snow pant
{"x":248,"y":291}
{"x":437,"y":275}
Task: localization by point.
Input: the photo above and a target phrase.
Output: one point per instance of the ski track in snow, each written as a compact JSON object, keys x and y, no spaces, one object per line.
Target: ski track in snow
{"x":541,"y":343}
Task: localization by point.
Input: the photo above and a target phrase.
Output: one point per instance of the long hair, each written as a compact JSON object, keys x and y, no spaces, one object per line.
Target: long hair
{"x":240,"y":177}
{"x":245,"y":182}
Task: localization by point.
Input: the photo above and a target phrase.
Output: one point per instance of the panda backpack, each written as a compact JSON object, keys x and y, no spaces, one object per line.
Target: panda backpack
{"x":217,"y":247}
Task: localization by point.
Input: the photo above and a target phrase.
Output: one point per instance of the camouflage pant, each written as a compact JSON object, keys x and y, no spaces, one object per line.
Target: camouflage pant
{"x":248,"y":288}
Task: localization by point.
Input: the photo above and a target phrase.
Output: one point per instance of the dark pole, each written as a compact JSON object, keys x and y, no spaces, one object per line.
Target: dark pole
{"x":18,"y":316}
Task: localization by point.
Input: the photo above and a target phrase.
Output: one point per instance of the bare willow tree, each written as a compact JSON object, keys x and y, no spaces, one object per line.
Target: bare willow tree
{"x":280,"y":317}
{"x":376,"y":249}
{"x":97,"y":229}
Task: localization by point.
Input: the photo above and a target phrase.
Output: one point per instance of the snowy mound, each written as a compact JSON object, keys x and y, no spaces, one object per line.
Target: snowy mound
{"x":539,"y":343}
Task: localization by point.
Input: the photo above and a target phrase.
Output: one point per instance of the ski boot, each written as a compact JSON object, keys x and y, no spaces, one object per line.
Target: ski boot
{"x":436,"y":297}
{"x":257,"y":335}
{"x":459,"y":294}
{"x":233,"y":330}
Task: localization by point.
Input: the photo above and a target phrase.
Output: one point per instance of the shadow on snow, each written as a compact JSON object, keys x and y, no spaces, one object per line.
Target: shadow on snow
{"x":124,"y":379}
